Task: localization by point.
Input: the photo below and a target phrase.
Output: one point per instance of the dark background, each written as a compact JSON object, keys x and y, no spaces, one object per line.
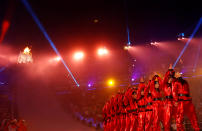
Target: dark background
{"x":71,"y":23}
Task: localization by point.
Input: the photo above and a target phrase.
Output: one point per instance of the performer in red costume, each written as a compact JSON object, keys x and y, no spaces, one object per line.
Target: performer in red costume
{"x":113,"y":113}
{"x":133,"y":110}
{"x":125,"y":105}
{"x":156,"y":90}
{"x":183,"y":101}
{"x":106,"y":114}
{"x":141,"y":105}
{"x":109,"y":116}
{"x":127,"y":108}
{"x":168,"y":83}
{"x":116,"y":108}
{"x":120,"y":122}
{"x":149,"y":108}
{"x":141,"y":87}
{"x":141,"y":112}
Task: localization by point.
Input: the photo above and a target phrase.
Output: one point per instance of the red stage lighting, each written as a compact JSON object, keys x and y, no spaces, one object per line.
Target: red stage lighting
{"x":127,"y":47}
{"x":57,"y":58}
{"x":102,"y":51}
{"x":78,"y":55}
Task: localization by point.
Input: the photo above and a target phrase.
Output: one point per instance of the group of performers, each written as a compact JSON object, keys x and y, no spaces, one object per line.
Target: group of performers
{"x":142,"y":108}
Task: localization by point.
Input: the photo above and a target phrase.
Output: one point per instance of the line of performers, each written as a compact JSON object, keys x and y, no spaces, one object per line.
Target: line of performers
{"x":142,"y":108}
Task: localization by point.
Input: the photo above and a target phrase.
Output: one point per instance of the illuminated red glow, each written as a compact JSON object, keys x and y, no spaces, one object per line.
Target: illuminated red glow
{"x":102,"y":51}
{"x":78,"y":55}
{"x":127,"y":47}
{"x":5,"y":26}
{"x":154,"y":43}
{"x":57,"y":58}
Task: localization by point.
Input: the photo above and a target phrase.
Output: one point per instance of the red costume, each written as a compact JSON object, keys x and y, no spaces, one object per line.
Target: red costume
{"x":113,"y":113}
{"x":120,"y":116}
{"x":125,"y":105}
{"x":106,"y":115}
{"x":127,"y":108}
{"x":131,"y":109}
{"x":141,"y":113}
{"x":157,"y":102}
{"x":141,"y":107}
{"x":141,"y":87}
{"x":133,"y":112}
{"x":181,"y":95}
{"x":116,"y":108}
{"x":168,"y":103}
{"x":21,"y":126}
{"x":149,"y":108}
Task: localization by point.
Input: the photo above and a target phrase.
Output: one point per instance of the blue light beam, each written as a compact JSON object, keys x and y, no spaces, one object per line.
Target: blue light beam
{"x":192,"y":35}
{"x":128,"y":32}
{"x":35,"y":18}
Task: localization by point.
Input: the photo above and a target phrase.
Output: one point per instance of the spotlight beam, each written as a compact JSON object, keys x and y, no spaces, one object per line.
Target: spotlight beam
{"x":128,"y":33}
{"x":192,"y":35}
{"x":37,"y":21}
{"x":127,"y":25}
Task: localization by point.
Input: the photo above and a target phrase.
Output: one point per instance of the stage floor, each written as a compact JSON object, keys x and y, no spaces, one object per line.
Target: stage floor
{"x":38,"y":106}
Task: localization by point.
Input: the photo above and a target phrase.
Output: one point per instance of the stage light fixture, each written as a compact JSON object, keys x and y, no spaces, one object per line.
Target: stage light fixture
{"x":102,"y":51}
{"x":181,"y":36}
{"x":111,"y":82}
{"x":127,"y":47}
{"x":78,"y":55}
{"x":154,"y":43}
{"x":57,"y":58}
